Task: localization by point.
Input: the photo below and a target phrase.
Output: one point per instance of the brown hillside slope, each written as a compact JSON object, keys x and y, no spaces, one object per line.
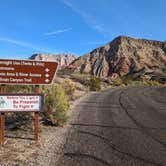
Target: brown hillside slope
{"x":124,"y":55}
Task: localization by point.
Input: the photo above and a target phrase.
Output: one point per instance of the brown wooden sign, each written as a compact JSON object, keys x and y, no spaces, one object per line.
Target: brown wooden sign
{"x":27,"y":71}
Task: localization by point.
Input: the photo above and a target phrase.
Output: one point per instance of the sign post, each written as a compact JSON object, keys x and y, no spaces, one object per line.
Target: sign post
{"x":23,"y":72}
{"x":20,"y":103}
{"x":36,"y":119}
{"x":2,"y":119}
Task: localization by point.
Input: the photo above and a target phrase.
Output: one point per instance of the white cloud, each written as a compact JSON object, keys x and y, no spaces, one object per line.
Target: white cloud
{"x":88,"y":18}
{"x":23,"y":44}
{"x":94,"y":43}
{"x":57,"y":32}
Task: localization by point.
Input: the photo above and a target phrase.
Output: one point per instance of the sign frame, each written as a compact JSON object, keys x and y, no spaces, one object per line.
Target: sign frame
{"x":24,"y":94}
{"x":31,"y":60}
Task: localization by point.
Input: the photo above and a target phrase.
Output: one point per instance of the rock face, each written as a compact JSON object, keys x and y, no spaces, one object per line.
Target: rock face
{"x":124,"y":55}
{"x":63,"y":59}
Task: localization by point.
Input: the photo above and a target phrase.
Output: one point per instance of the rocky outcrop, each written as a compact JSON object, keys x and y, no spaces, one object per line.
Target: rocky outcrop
{"x":124,"y":55}
{"x":63,"y":59}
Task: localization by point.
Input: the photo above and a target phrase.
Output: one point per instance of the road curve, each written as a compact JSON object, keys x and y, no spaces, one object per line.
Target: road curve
{"x":118,"y":127}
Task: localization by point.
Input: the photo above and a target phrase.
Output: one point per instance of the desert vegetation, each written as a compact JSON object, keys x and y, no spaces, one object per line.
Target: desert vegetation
{"x":128,"y":80}
{"x":59,"y":95}
{"x":56,"y":105}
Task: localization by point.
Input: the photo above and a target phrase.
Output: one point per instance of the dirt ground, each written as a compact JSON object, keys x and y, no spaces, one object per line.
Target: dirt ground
{"x":20,"y":148}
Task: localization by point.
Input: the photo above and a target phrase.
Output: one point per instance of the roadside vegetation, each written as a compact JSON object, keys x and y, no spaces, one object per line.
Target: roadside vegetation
{"x":59,"y":95}
{"x":130,"y":81}
{"x":56,"y":104}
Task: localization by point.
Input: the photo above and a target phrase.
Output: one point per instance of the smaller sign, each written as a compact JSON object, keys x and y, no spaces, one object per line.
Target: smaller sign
{"x":21,"y":102}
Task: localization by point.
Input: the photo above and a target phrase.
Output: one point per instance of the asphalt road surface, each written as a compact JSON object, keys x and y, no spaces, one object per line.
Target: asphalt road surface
{"x":118,"y":127}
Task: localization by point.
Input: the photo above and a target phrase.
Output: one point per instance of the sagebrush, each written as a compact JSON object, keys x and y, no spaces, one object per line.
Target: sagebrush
{"x":56,"y":105}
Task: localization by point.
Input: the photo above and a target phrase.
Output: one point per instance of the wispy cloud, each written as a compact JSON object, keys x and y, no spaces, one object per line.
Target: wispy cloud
{"x":57,"y":32}
{"x":88,"y":18}
{"x":24,"y":44}
{"x":94,"y":43}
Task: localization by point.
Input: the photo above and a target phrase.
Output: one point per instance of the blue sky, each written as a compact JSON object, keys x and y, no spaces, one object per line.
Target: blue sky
{"x":75,"y":26}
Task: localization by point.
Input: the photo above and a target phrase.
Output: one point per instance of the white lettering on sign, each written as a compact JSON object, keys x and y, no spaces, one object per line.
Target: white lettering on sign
{"x":15,"y":103}
{"x":7,"y":68}
{"x":27,"y":71}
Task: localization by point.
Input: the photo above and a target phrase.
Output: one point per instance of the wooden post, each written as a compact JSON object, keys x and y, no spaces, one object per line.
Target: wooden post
{"x":36,"y":119}
{"x":2,"y":119}
{"x":2,"y":133}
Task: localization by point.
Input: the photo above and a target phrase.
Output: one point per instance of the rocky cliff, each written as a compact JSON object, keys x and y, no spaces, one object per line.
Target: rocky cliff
{"x":63,"y":59}
{"x":124,"y":55}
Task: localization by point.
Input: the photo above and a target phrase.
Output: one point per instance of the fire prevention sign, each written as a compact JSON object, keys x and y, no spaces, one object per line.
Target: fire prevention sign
{"x":21,"y":103}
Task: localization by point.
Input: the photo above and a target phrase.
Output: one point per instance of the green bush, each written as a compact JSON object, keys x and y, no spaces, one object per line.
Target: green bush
{"x":81,"y":78}
{"x":19,"y":120}
{"x":56,"y":105}
{"x":94,"y":84}
{"x":20,"y":88}
{"x":151,"y":83}
{"x":123,"y":81}
{"x":127,"y":79}
{"x":118,"y":82}
{"x":69,"y":89}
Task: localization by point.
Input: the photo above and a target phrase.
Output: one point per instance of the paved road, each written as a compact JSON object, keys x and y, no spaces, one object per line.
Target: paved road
{"x":118,"y":127}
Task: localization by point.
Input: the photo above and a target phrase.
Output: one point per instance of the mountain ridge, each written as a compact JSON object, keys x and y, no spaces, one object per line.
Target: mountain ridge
{"x":63,"y":59}
{"x":124,"y":55}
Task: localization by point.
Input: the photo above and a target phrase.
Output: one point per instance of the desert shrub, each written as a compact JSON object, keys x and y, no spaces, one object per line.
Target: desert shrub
{"x":118,"y":82}
{"x":20,"y":88}
{"x":136,"y":83}
{"x":94,"y":84}
{"x":127,"y":79}
{"x":64,"y":72}
{"x":69,"y":89}
{"x":56,"y":105}
{"x":122,"y":81}
{"x":151,"y":83}
{"x":81,"y":78}
{"x":19,"y":120}
{"x":85,"y":80}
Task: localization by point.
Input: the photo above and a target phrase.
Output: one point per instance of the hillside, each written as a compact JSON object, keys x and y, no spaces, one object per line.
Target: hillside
{"x":63,"y":59}
{"x":124,"y":55}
